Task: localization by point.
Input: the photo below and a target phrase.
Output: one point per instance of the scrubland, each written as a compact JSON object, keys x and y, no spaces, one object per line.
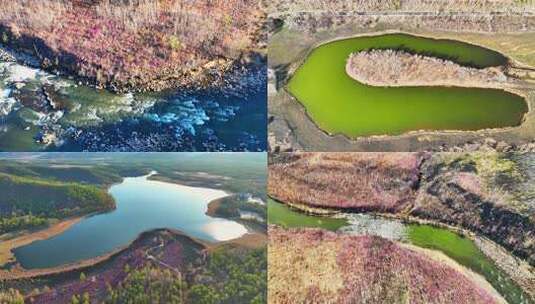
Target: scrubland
{"x":144,"y":44}
{"x":398,"y":68}
{"x":315,"y":266}
{"x":488,"y":194}
{"x":287,"y":6}
{"x":378,"y":182}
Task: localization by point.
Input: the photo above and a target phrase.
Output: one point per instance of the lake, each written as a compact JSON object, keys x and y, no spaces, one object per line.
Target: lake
{"x":338,"y":104}
{"x":142,"y":205}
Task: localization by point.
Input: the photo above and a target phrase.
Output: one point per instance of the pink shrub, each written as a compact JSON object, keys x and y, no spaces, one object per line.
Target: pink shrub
{"x":368,"y":181}
{"x":376,"y":270}
{"x":128,"y":41}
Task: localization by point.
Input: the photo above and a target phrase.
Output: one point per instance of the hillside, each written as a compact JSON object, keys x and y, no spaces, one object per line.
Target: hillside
{"x":29,"y":202}
{"x":160,"y":266}
{"x":135,"y":45}
{"x":487,"y":193}
{"x":360,"y":181}
{"x":317,"y":266}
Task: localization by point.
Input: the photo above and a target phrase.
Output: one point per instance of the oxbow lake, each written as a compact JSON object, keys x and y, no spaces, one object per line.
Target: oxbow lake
{"x":338,"y":104}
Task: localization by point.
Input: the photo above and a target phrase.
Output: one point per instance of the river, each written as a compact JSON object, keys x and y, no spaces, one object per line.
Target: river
{"x":459,"y":248}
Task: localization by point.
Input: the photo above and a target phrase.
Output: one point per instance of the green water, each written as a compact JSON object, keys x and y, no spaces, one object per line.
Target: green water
{"x":339,"y":104}
{"x":461,"y":249}
{"x":282,"y":215}
{"x":466,"y":253}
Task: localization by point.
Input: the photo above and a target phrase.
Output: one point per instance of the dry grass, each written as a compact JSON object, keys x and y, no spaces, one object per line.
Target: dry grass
{"x":32,"y":15}
{"x":11,"y":296}
{"x":367,"y":181}
{"x":135,"y":41}
{"x":398,"y":68}
{"x":192,"y":21}
{"x":398,"y":5}
{"x":316,"y":266}
{"x":318,"y":270}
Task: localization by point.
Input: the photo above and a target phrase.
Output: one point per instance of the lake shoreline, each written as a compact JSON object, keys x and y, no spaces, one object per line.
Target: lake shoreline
{"x":87,"y":263}
{"x":253,"y":226}
{"x":292,"y":129}
{"x":250,"y":239}
{"x":213,"y":206}
{"x":507,"y":88}
{"x":26,"y":237}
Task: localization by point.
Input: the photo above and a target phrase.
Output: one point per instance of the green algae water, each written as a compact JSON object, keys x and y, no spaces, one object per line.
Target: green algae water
{"x":282,"y":215}
{"x":339,"y":104}
{"x":466,"y":253}
{"x":460,"y":249}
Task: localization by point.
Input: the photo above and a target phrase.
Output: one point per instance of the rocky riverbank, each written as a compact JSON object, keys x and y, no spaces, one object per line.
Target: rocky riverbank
{"x":47,"y":111}
{"x":142,"y":46}
{"x":519,"y":271}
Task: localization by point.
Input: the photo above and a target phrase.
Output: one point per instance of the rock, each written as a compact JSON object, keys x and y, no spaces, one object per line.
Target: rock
{"x":472,"y":147}
{"x":502,"y":147}
{"x":491,"y":142}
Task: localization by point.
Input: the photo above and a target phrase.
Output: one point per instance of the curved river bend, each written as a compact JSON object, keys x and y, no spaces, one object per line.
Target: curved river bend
{"x":460,"y":249}
{"x":339,"y":104}
{"x":142,"y":205}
